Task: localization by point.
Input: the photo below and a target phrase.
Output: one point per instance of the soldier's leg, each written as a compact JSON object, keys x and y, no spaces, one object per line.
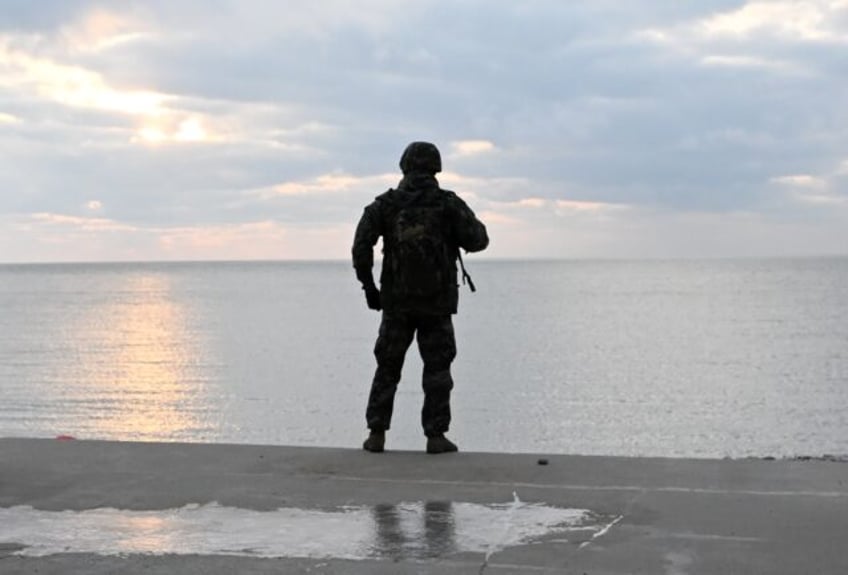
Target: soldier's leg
{"x":395,"y":336}
{"x":437,"y":345}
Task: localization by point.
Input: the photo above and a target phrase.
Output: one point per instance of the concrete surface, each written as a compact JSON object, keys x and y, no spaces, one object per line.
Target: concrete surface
{"x":656,"y":516}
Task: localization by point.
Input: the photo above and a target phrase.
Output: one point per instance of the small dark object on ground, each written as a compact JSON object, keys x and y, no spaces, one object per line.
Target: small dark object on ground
{"x":542,"y":461}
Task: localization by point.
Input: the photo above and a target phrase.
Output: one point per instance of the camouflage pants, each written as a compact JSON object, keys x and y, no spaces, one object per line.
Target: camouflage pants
{"x":437,"y":346}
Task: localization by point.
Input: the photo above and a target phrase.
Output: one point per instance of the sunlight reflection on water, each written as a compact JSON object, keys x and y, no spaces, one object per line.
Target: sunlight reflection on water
{"x":132,"y":367}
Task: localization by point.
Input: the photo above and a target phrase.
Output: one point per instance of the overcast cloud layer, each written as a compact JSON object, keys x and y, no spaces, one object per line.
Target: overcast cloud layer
{"x":233,"y":129}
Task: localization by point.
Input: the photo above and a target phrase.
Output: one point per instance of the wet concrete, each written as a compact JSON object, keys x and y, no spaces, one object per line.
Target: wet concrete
{"x":104,"y":507}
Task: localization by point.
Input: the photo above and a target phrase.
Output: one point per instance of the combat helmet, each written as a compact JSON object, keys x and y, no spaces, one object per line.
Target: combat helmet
{"x":421,"y":157}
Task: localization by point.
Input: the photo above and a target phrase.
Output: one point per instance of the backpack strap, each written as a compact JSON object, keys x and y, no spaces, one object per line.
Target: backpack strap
{"x":465,"y":275}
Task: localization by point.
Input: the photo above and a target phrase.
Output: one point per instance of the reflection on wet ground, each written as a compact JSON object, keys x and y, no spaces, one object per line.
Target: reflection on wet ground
{"x":417,"y":531}
{"x":404,"y":532}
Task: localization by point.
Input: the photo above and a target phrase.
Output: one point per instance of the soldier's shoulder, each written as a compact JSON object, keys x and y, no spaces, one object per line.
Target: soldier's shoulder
{"x":381,"y":201}
{"x":453,"y":200}
{"x":451,"y":197}
{"x":386,"y":196}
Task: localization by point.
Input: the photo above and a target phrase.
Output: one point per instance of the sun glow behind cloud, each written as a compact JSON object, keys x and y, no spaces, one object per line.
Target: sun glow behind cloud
{"x":72,"y":85}
{"x":176,"y":128}
{"x":158,"y":117}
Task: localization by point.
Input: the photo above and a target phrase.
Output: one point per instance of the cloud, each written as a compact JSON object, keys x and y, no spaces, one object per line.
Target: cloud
{"x":493,"y":188}
{"x":801,"y":181}
{"x":822,"y":192}
{"x":472,"y":147}
{"x":822,"y":199}
{"x":591,"y":207}
{"x":103,"y":30}
{"x":71,"y":85}
{"x":57,"y":237}
{"x":814,"y":21}
{"x":329,"y":184}
{"x":807,"y":20}
{"x":781,"y":37}
{"x":577,"y":128}
{"x":751,"y":62}
{"x":180,"y":130}
{"x":557,"y":207}
{"x":33,"y":65}
{"x":82,"y":224}
{"x":554,"y":228}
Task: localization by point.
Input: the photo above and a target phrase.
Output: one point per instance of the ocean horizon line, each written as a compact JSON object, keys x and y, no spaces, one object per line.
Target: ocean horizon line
{"x":476,"y":259}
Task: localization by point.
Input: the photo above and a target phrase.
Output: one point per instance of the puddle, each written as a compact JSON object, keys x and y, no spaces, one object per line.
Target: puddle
{"x":417,"y":530}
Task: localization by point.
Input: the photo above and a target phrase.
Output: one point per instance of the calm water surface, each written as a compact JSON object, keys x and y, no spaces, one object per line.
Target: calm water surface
{"x":671,"y":358}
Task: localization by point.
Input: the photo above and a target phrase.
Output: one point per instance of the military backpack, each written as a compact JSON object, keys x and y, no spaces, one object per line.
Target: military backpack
{"x":420,"y":253}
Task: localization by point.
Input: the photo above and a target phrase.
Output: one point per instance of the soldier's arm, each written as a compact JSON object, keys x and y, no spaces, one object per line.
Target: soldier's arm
{"x":469,"y":232}
{"x":368,"y":231}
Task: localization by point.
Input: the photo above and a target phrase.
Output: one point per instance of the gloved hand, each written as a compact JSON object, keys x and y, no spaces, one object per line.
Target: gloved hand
{"x":372,"y":297}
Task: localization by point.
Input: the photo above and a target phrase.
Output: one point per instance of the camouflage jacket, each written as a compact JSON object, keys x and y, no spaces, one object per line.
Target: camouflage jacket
{"x":464,"y":231}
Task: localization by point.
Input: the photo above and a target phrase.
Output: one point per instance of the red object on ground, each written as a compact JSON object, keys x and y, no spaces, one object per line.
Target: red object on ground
{"x":65,"y":437}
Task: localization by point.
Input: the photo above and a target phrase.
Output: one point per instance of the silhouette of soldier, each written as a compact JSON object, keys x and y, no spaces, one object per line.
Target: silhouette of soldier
{"x":423,"y":228}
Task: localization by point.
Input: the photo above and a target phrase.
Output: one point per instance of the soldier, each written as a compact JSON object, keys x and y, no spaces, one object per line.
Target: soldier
{"x":423,"y":228}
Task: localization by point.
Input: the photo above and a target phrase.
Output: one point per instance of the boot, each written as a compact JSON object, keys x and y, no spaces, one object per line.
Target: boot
{"x":376,"y":442}
{"x":440,"y":444}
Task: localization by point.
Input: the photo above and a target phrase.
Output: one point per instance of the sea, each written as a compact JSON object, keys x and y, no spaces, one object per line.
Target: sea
{"x":668,"y":358}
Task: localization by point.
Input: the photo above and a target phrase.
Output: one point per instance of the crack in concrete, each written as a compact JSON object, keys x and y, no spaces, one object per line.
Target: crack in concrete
{"x":508,"y":521}
{"x":603,"y":531}
{"x":618,"y":519}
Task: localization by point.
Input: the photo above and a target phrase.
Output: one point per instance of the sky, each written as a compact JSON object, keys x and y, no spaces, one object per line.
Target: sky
{"x":247,"y":129}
